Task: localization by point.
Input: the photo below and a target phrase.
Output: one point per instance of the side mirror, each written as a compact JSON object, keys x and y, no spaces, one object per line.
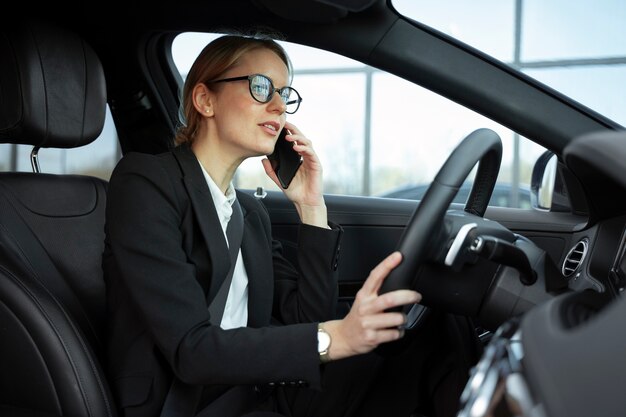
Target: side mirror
{"x":548,"y":190}
{"x":542,"y":181}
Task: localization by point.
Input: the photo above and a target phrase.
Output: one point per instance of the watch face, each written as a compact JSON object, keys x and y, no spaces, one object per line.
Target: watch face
{"x":323,"y":341}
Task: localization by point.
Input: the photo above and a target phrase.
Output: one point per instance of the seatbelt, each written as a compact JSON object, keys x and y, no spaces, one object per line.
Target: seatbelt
{"x":234,"y":233}
{"x":182,"y":399}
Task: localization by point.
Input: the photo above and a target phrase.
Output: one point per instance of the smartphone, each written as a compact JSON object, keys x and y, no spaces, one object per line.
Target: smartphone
{"x":284,"y":159}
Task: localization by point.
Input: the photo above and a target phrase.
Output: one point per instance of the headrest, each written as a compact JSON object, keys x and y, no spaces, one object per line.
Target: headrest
{"x":52,"y":88}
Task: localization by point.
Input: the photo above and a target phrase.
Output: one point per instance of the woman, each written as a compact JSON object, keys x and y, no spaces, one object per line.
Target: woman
{"x":167,"y":255}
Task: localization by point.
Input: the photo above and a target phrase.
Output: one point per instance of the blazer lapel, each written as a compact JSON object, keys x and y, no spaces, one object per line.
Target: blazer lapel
{"x":206,"y":215}
{"x":257,"y":258}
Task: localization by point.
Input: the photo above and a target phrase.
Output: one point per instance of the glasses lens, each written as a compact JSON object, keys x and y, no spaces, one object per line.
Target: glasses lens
{"x":291,"y":98}
{"x":260,"y":87}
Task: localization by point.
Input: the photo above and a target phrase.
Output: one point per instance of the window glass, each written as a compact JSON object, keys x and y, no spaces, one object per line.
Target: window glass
{"x":95,"y":159}
{"x":472,"y":22}
{"x":375,"y":133}
{"x":6,"y":157}
{"x":414,"y":130}
{"x":574,"y":46}
{"x":187,"y":47}
{"x":566,"y":29}
{"x":600,"y":87}
{"x":311,"y":58}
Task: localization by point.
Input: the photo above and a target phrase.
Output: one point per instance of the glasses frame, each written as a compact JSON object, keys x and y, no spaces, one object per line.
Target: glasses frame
{"x":273,"y":90}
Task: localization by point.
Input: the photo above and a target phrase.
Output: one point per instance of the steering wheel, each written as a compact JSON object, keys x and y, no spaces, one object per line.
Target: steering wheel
{"x":423,"y":233}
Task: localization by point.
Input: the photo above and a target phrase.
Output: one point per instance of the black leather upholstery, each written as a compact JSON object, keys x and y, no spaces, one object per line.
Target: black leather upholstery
{"x":52,"y":87}
{"x":52,"y":94}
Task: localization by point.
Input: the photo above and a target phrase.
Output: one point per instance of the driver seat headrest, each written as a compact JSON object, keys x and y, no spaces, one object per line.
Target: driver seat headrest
{"x":52,"y":87}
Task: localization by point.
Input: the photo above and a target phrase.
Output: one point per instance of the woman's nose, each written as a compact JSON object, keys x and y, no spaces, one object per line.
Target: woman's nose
{"x":277,"y":103}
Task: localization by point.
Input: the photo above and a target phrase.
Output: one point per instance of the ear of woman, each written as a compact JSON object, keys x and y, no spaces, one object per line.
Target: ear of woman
{"x":202,"y":99}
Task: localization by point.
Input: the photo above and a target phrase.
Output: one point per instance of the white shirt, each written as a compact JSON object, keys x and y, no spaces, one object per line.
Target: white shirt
{"x":236,"y":309}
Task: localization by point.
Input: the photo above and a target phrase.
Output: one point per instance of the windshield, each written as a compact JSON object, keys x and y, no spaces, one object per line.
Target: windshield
{"x":576,"y":47}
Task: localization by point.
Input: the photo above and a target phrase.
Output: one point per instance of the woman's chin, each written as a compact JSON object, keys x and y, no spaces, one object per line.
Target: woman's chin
{"x":266,"y":150}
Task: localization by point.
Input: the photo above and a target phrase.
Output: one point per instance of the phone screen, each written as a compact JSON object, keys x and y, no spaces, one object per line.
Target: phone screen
{"x":285,"y":160}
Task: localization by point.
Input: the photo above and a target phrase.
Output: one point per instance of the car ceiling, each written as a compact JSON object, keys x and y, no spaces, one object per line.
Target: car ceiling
{"x":366,"y":30}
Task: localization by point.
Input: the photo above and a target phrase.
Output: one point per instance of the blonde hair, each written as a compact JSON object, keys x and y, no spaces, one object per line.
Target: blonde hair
{"x":215,"y":59}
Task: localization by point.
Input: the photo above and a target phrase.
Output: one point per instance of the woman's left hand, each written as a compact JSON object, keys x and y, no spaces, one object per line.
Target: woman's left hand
{"x":306,"y":188}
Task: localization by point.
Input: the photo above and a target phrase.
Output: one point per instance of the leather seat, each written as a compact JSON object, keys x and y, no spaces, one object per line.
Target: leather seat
{"x":52,"y":293}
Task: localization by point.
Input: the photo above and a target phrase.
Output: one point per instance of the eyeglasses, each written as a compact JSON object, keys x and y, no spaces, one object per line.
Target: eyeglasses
{"x":262,"y":90}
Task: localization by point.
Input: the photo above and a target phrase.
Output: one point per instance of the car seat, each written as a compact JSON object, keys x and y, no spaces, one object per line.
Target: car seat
{"x":52,"y":293}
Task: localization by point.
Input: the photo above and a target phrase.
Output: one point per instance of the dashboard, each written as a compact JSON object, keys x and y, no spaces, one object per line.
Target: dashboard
{"x":602,"y":264}
{"x":565,"y":357}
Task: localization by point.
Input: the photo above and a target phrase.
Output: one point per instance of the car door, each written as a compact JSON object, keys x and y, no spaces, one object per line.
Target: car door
{"x":373,"y":226}
{"x":371,"y":230}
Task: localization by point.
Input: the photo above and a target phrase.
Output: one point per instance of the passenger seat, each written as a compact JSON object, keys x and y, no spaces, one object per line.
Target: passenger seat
{"x":52,"y":294}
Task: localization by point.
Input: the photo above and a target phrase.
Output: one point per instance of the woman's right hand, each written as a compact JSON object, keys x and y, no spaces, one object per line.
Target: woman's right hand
{"x":368,"y":324}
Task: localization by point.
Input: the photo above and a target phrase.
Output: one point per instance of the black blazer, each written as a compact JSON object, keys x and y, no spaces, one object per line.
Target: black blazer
{"x":165,"y":258}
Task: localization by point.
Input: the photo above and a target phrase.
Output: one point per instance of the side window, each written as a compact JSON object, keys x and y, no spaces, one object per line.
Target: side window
{"x":95,"y":159}
{"x":378,"y":134}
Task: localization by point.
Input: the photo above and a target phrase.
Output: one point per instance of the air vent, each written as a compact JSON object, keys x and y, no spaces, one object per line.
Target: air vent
{"x":575,"y":258}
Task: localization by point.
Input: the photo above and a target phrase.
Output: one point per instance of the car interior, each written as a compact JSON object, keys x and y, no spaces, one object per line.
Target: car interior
{"x":52,"y":227}
{"x":543,"y":282}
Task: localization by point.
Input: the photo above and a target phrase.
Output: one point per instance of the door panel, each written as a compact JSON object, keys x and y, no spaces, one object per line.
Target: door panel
{"x":373,"y":226}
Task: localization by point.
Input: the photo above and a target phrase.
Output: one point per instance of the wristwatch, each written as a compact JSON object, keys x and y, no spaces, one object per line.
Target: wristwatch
{"x":323,"y":343}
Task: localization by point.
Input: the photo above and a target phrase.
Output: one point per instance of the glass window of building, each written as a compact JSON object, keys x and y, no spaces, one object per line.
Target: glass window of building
{"x":573,"y":46}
